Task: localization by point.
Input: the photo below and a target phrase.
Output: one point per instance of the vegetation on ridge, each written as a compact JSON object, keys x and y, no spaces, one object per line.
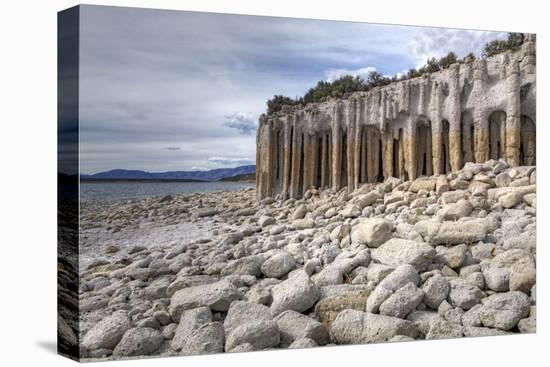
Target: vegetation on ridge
{"x":346,"y":85}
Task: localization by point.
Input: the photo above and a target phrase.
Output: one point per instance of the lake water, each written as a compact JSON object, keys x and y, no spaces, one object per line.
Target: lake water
{"x":90,"y":191}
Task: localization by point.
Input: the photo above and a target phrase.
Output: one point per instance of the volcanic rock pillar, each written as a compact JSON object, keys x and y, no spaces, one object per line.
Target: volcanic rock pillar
{"x":295,"y":160}
{"x":481,"y":123}
{"x":455,"y":149}
{"x":336,"y":149}
{"x":287,"y":155}
{"x":513,"y":114}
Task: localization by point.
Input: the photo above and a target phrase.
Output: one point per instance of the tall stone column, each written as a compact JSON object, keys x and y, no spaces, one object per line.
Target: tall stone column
{"x":336,"y":149}
{"x":388,"y":154}
{"x":401,"y":157}
{"x":455,"y":138}
{"x":364,"y":160}
{"x":269,"y":159}
{"x":357,"y":155}
{"x":410,"y":145}
{"x":351,"y":146}
{"x":513,"y":114}
{"x":481,"y":123}
{"x":429,"y":158}
{"x":314,"y":141}
{"x":295,"y":159}
{"x":373,"y":153}
{"x":481,"y":136}
{"x":436,"y":131}
{"x":307,"y":162}
{"x":324,"y":161}
{"x":259,"y":168}
{"x":287,"y":155}
{"x":467,"y":140}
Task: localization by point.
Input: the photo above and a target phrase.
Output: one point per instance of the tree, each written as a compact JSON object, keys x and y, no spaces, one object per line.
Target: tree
{"x":276,"y":103}
{"x":513,"y":42}
{"x":469,"y":58}
{"x":447,"y":60}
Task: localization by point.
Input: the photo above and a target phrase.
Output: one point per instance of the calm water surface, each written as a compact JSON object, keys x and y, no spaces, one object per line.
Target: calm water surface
{"x":90,"y":191}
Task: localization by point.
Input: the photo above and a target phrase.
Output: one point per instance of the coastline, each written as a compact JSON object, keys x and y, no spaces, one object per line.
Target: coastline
{"x":309,"y":270}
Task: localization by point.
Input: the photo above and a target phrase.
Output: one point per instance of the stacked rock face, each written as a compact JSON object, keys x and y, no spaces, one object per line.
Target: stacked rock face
{"x":434,"y":124}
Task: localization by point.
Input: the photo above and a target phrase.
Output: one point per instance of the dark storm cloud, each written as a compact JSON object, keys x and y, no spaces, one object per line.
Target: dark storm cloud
{"x":152,"y":79}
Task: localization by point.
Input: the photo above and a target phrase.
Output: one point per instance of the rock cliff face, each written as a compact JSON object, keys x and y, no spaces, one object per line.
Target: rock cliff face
{"x":424,"y":126}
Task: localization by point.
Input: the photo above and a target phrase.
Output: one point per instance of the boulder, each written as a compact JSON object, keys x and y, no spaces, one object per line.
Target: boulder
{"x":250,"y":265}
{"x":457,"y":210}
{"x":138,"y":342}
{"x":397,"y":251}
{"x":302,"y":343}
{"x":297,"y":293}
{"x":259,"y":334}
{"x":442,"y":329}
{"x":298,"y":213}
{"x":463,"y":294}
{"x":241,"y":312}
{"x":328,"y":308}
{"x":266,"y":220}
{"x":218,"y":296}
{"x":189,"y":321}
{"x":206,"y":339}
{"x":436,"y":289}
{"x":107,"y":333}
{"x":372,"y":232}
{"x":504,"y":310}
{"x":278,"y":265}
{"x":403,"y":301}
{"x":423,"y":183}
{"x":454,"y":233}
{"x":305,"y":223}
{"x":293,"y":326}
{"x":402,"y":275}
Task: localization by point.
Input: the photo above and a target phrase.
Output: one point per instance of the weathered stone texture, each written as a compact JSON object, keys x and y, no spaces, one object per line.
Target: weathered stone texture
{"x":429,"y":125}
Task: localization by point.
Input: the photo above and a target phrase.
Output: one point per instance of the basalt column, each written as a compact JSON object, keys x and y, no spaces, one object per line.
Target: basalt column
{"x":296,"y":156}
{"x":357,"y":155}
{"x":438,"y":150}
{"x":373,"y":153}
{"x":481,"y":123}
{"x":455,"y":148}
{"x":513,"y":114}
{"x":424,"y":149}
{"x":325,"y":161}
{"x":467,"y":137}
{"x":350,"y":144}
{"x":409,"y":145}
{"x":287,"y":155}
{"x":497,"y":135}
{"x":336,"y":149}
{"x":388,"y":158}
{"x":528,"y":142}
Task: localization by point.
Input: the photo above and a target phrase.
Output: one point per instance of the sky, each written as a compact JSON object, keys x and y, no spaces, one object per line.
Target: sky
{"x":177,"y":91}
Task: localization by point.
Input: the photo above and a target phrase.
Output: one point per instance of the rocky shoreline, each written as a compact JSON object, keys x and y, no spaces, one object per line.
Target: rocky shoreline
{"x":438,"y":257}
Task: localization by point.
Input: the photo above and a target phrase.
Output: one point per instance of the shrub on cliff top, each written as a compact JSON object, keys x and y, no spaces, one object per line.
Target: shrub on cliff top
{"x":513,"y":43}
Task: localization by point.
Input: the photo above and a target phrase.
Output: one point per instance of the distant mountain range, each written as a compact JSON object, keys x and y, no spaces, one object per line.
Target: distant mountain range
{"x":210,"y":175}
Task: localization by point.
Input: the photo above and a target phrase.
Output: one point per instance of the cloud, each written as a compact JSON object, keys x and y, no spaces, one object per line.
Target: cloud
{"x":144,"y":88}
{"x":230,"y":160}
{"x":437,"y":42}
{"x":244,"y":122}
{"x":194,"y":168}
{"x":171,"y":148}
{"x":334,"y":74}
